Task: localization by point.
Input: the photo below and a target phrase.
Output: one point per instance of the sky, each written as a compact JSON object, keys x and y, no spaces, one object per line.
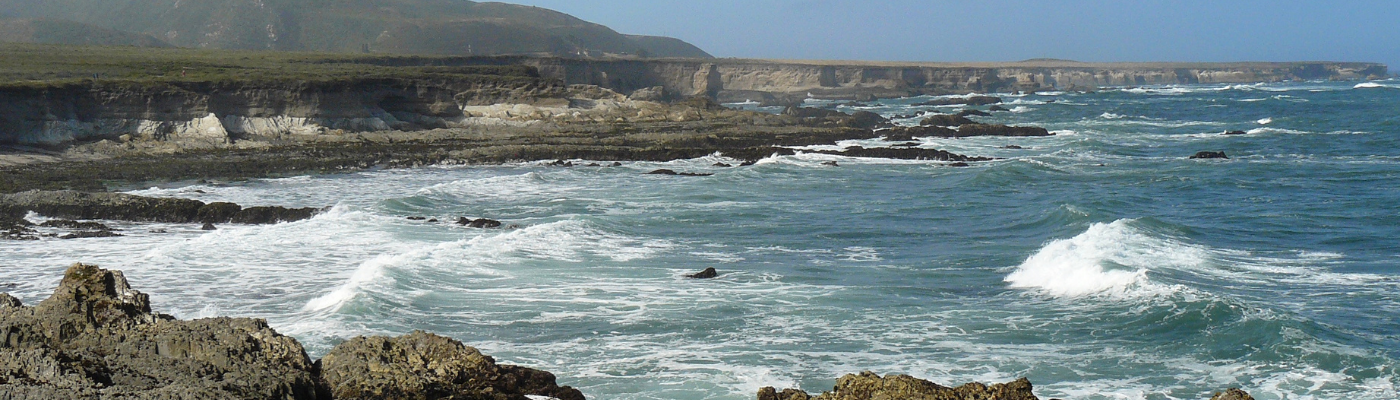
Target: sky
{"x":1012,"y":30}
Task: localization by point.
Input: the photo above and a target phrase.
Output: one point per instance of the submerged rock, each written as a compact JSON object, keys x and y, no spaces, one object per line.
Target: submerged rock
{"x":831,"y":163}
{"x":422,"y":365}
{"x":90,"y":234}
{"x":971,"y":112}
{"x":15,"y":228}
{"x":664,"y":171}
{"x":483,"y":223}
{"x":1236,"y":133}
{"x":904,"y":153}
{"x":870,"y":386}
{"x":1209,"y":155}
{"x":946,"y":120}
{"x":708,"y":273}
{"x":997,"y":108}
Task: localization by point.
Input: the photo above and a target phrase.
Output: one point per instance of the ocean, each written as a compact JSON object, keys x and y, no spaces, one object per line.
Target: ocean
{"x":1101,"y":262}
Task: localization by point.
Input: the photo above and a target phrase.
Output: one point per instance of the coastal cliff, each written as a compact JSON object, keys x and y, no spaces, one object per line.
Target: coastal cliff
{"x":737,"y":80}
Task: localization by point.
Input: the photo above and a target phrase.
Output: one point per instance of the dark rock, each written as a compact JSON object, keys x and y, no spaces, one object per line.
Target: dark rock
{"x":89,"y":234}
{"x":1001,"y":130}
{"x":218,"y":212}
{"x":484,"y":223}
{"x":904,"y":154}
{"x":561,"y":163}
{"x":432,"y":220}
{"x":906,"y":144}
{"x":1012,"y":147}
{"x":946,"y":120}
{"x":808,"y":112}
{"x":973,"y":100}
{"x":908,"y":133}
{"x":112,"y":206}
{"x":831,"y":163}
{"x":974,"y":113}
{"x":208,"y":227}
{"x":959,"y":164}
{"x":748,"y":163}
{"x":997,"y":108}
{"x":868,"y":120}
{"x":664,"y":171}
{"x":617,"y":164}
{"x":71,"y":224}
{"x":1236,"y":132}
{"x":14,"y":228}
{"x":422,"y":365}
{"x":708,"y":273}
{"x":97,"y":337}
{"x":417,"y":218}
{"x":595,"y":164}
{"x":272,"y":215}
{"x":1232,"y":394}
{"x":870,"y":386}
{"x":721,"y":165}
{"x":1209,"y":154}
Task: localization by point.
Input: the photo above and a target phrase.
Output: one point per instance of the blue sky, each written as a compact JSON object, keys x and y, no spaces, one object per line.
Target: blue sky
{"x":1009,"y":30}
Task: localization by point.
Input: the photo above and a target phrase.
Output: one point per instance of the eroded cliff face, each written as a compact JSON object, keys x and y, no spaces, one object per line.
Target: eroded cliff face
{"x":757,"y":80}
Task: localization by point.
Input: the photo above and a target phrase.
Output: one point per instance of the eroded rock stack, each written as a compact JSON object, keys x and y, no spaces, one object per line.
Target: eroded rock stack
{"x":97,"y":338}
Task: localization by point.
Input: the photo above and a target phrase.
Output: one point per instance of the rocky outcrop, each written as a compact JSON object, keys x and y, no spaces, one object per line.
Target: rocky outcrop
{"x":906,"y":133}
{"x":1209,"y":155}
{"x":422,"y":365}
{"x":946,"y":120}
{"x":708,"y":273}
{"x":1232,"y":394}
{"x":903,"y":154}
{"x":97,"y":338}
{"x":126,"y":207}
{"x":870,"y":386}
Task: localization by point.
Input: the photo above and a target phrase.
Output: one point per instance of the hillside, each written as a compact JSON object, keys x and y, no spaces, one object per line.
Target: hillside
{"x":446,"y":27}
{"x":46,"y":31}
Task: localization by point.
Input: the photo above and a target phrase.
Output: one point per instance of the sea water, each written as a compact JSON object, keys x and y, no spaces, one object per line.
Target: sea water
{"x":1101,"y":262}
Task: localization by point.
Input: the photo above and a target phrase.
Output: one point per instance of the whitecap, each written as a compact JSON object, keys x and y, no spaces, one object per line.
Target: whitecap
{"x":1265,"y":121}
{"x":1112,"y":258}
{"x":1021,"y":109}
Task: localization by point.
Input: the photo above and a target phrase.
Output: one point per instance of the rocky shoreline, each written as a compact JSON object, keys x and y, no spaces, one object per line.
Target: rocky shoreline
{"x":97,"y":338}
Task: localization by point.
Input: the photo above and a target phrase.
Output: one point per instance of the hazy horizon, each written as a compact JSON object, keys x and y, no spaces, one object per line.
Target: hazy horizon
{"x":1012,"y":30}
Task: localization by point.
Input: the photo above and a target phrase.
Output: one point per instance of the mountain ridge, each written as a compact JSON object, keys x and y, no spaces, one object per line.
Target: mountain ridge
{"x":436,"y":27}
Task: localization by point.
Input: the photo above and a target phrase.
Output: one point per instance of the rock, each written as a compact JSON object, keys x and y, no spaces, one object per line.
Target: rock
{"x":7,"y":301}
{"x":869,"y":386}
{"x":664,"y":171}
{"x":997,"y":108}
{"x":973,"y":100}
{"x":617,"y":164}
{"x":484,"y":223}
{"x":97,"y":337}
{"x":1001,"y":130}
{"x":71,"y":224}
{"x":903,"y":154}
{"x":959,"y":164}
{"x":708,"y":273}
{"x":272,"y":215}
{"x":561,"y":163}
{"x":422,"y":365}
{"x":946,"y":120}
{"x":721,"y":165}
{"x":15,"y":228}
{"x":1232,"y":394}
{"x":831,"y":163}
{"x":908,"y":133}
{"x":748,"y":163}
{"x":906,"y":144}
{"x":112,"y":206}
{"x":1209,"y":154}
{"x":433,"y":220}
{"x":417,"y":218}
{"x":971,"y":112}
{"x":808,"y":112}
{"x":654,"y":93}
{"x":1012,"y":147}
{"x":217,"y":212}
{"x":208,"y":227}
{"x":89,"y":234}
{"x":1236,"y":132}
{"x":868,"y":120}
{"x":594,"y":165}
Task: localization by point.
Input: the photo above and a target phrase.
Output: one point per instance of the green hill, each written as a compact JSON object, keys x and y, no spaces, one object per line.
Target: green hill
{"x":46,"y":31}
{"x":457,"y":27}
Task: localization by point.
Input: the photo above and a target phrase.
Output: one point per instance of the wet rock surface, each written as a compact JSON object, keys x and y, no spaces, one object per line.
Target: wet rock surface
{"x":946,"y":120}
{"x":126,"y":207}
{"x":870,"y":386}
{"x":1209,"y":155}
{"x":97,"y":338}
{"x":1232,"y":394}
{"x":708,"y":273}
{"x":422,"y":365}
{"x":905,"y":154}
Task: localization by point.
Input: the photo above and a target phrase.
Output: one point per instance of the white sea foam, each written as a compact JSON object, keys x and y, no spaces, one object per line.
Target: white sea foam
{"x":1112,"y":258}
{"x":1265,"y":121}
{"x":1021,"y":109}
{"x":1375,"y":85}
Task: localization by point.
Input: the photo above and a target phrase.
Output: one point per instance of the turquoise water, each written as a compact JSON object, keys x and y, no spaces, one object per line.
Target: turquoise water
{"x":1101,"y":262}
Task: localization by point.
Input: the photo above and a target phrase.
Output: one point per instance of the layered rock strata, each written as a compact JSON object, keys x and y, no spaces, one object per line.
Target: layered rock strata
{"x":97,"y":338}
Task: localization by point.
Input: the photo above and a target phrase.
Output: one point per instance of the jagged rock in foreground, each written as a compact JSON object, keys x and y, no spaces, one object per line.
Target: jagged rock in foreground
{"x":869,"y":386}
{"x":422,"y":365}
{"x":97,"y":338}
{"x":1232,"y":394}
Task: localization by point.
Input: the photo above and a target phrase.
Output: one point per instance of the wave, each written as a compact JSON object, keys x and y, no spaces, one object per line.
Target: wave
{"x":1265,"y":121}
{"x":1112,"y":258}
{"x":1375,"y":85}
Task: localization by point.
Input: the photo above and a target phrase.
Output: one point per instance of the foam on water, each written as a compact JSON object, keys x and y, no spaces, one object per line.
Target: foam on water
{"x":1112,"y":259}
